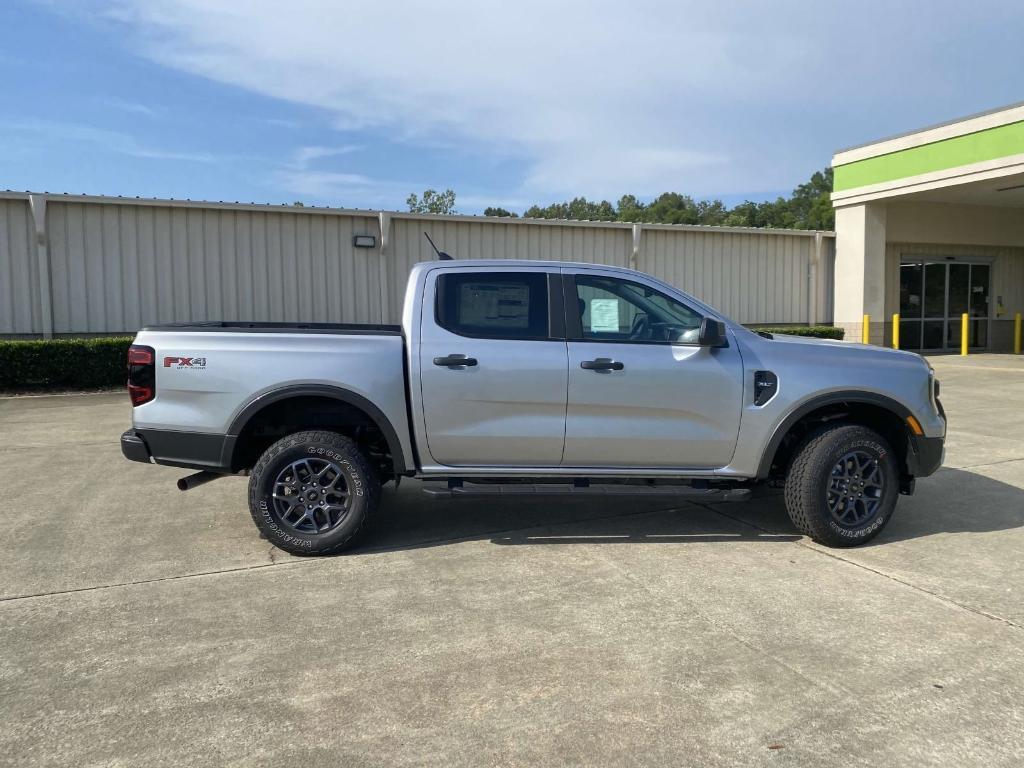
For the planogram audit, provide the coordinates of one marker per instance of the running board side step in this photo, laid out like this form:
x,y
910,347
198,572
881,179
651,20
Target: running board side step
x,y
457,489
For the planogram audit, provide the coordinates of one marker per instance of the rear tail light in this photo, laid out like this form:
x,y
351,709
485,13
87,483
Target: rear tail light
x,y
141,374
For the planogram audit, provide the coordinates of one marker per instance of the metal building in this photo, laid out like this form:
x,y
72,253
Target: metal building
x,y
73,264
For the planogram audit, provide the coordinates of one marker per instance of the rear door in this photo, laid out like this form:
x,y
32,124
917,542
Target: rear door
x,y
493,366
642,392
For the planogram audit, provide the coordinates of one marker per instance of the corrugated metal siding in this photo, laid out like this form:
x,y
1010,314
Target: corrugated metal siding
x,y
495,240
825,279
751,277
19,276
117,265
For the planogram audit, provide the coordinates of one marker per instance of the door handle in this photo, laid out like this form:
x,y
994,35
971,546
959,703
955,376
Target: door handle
x,y
454,361
602,364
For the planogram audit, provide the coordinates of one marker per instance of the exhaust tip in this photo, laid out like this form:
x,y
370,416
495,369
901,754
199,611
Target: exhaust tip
x,y
193,481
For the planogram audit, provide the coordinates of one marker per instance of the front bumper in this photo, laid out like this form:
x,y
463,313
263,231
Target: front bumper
x,y
925,455
134,447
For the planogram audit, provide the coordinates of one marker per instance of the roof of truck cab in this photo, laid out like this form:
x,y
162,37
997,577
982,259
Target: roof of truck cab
x,y
517,263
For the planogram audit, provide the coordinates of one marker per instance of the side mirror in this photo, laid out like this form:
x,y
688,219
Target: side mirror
x,y
712,333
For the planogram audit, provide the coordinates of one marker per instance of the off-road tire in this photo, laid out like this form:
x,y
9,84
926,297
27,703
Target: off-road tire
x,y
360,478
807,484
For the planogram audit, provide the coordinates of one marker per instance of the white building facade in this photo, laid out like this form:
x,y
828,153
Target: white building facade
x,y
930,226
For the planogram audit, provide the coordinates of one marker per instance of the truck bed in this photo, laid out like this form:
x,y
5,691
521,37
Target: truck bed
x,y
212,376
244,327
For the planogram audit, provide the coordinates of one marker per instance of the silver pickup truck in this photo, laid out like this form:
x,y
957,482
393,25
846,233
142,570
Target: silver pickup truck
x,y
533,377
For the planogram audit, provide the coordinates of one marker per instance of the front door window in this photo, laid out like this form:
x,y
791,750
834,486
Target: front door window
x,y
612,309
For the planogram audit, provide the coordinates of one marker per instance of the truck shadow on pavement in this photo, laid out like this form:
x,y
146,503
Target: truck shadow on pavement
x,y
953,501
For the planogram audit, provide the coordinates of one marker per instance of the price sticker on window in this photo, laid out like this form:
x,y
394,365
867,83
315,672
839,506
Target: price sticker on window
x,y
604,315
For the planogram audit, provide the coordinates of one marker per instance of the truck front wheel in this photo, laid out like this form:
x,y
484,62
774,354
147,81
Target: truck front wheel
x,y
842,485
311,492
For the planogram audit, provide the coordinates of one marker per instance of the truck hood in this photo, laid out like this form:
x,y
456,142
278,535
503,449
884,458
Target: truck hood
x,y
786,338
850,347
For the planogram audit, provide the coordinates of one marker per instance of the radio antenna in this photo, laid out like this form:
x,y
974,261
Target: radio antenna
x,y
440,254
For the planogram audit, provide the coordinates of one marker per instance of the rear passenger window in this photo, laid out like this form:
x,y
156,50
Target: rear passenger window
x,y
504,305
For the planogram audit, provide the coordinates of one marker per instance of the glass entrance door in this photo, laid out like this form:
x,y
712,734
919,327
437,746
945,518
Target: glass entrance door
x,y
934,295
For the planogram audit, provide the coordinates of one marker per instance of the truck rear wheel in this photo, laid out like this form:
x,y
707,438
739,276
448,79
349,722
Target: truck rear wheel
x,y
842,485
311,492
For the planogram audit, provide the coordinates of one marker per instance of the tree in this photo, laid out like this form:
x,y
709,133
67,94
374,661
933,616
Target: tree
x,y
432,202
631,209
577,209
809,207
500,212
811,202
712,212
672,208
553,211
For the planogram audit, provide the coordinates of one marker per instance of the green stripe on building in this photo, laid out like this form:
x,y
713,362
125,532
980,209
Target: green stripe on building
x,y
990,144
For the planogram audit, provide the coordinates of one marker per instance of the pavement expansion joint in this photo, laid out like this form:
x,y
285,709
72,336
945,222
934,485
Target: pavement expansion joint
x,y
178,577
306,562
986,464
806,544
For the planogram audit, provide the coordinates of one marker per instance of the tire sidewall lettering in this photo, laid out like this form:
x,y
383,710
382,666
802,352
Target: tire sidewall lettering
x,y
271,523
351,473
881,455
857,533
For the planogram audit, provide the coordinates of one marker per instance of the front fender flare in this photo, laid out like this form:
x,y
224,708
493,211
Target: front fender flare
x,y
820,401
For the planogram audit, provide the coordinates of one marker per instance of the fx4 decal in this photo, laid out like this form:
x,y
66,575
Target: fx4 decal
x,y
184,362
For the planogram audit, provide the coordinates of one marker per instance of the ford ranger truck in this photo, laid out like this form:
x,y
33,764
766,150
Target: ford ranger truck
x,y
533,377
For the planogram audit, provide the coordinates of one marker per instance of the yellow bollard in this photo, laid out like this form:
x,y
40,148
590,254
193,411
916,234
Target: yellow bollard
x,y
865,330
896,330
1016,334
963,334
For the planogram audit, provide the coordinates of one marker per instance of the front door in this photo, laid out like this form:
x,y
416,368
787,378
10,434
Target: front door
x,y
934,296
493,368
642,392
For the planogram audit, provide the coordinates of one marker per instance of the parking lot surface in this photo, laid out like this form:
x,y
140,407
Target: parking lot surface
x,y
144,626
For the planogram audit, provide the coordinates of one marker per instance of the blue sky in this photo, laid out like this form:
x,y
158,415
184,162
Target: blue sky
x,y
358,104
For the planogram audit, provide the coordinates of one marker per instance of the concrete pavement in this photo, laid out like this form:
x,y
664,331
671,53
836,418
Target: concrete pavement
x,y
143,626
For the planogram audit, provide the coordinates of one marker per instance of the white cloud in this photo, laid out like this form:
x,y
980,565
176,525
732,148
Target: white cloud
x,y
132,107
113,141
279,122
646,169
304,156
602,97
353,190
322,183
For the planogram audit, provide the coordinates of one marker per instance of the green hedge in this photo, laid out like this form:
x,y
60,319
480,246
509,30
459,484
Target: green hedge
x,y
815,331
64,364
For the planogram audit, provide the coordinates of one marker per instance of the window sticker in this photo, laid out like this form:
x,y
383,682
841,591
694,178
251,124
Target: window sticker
x,y
604,315
494,305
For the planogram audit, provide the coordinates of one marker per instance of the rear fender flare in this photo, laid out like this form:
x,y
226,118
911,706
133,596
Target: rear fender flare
x,y
317,390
